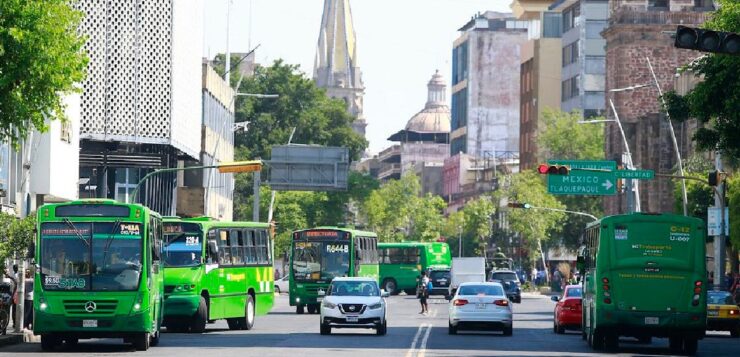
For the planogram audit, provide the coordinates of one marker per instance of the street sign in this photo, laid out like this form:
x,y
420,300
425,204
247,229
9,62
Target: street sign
x,y
584,182
309,168
713,221
635,174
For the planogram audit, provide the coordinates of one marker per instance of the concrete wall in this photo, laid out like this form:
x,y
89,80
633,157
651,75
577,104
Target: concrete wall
x,y
417,153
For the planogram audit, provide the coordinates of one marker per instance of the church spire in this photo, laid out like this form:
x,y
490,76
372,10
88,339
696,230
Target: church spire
x,y
336,65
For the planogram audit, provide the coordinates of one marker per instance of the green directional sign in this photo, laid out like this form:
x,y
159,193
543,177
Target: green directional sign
x,y
635,174
583,181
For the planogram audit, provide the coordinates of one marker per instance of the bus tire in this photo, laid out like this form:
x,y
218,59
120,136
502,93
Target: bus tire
x,y
198,323
690,345
645,339
247,323
49,342
299,310
141,341
311,308
597,339
233,324
675,344
71,342
390,286
611,341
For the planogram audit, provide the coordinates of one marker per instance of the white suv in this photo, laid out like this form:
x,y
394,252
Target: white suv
x,y
353,303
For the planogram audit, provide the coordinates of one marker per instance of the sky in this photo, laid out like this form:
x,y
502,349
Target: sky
x,y
400,44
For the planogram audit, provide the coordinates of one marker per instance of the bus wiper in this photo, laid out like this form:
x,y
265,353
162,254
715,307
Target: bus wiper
x,y
110,238
77,231
172,239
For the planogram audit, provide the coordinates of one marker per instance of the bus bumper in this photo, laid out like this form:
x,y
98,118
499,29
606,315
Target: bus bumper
x,y
644,323
181,305
107,326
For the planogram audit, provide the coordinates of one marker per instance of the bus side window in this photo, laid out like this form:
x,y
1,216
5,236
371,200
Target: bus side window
x,y
266,253
250,254
237,250
224,250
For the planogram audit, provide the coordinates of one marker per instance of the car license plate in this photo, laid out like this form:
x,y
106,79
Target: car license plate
x,y
352,319
651,321
712,313
89,323
480,306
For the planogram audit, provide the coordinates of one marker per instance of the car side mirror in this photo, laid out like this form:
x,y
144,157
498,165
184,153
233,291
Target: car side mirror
x,y
384,293
555,298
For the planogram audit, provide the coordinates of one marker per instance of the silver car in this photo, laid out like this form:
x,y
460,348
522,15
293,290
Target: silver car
x,y
480,306
353,303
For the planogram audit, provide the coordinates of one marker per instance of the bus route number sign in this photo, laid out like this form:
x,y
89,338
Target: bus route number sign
x,y
337,248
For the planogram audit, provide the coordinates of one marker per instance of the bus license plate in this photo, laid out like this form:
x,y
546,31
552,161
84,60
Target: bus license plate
x,y
352,318
89,323
651,321
480,306
712,313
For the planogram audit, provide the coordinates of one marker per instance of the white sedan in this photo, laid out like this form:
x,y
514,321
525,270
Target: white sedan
x,y
353,303
281,285
480,306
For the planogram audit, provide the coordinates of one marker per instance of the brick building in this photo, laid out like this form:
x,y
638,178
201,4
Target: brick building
x,y
635,32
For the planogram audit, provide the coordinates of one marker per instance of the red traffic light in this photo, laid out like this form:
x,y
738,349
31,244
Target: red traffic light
x,y
553,169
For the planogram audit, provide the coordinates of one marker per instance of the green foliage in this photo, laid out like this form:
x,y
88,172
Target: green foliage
x,y
41,58
714,101
396,212
562,137
16,235
698,194
733,202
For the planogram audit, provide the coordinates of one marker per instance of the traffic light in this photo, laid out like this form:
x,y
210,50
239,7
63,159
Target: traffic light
x,y
545,169
715,178
519,205
707,40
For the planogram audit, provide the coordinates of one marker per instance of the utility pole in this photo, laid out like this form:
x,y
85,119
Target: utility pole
x,y
227,59
719,240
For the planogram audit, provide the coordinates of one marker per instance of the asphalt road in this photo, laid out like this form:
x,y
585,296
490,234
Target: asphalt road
x,y
283,333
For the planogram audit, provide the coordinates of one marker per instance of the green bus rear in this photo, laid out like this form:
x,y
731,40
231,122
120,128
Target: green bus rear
x,y
100,273
318,255
645,276
401,263
216,270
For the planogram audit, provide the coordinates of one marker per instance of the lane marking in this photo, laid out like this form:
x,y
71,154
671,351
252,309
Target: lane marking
x,y
412,351
423,347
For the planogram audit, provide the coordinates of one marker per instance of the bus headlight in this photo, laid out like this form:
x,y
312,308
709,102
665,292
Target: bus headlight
x,y
138,303
42,304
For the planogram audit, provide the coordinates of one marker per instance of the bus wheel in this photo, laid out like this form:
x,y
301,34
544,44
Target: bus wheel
x,y
248,322
141,341
155,339
233,324
198,324
645,339
597,339
49,342
390,286
611,341
690,345
70,342
675,343
311,309
299,309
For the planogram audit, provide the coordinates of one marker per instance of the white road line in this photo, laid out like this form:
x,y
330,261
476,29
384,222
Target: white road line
x,y
423,347
412,351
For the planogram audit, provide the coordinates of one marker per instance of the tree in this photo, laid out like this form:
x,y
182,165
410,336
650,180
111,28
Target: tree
x,y
562,137
733,202
16,235
41,59
714,101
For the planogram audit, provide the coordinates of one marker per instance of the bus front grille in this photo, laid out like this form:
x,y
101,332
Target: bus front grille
x,y
90,307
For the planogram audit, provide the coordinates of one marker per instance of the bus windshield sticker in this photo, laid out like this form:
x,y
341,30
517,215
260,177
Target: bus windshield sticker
x,y
620,234
64,283
224,235
192,241
322,234
130,229
680,234
337,248
173,228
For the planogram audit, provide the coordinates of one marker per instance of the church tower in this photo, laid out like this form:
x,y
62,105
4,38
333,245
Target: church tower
x,y
336,67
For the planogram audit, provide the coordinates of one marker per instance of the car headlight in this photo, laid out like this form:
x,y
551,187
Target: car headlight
x,y
328,305
376,306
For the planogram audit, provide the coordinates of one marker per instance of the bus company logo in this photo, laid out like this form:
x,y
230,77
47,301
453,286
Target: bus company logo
x,y
90,306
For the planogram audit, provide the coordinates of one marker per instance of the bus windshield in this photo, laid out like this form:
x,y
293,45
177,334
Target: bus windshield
x,y
98,256
183,244
320,260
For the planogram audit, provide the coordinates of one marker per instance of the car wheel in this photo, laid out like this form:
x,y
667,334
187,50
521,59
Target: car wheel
x,y
382,329
452,330
325,329
736,332
554,327
560,330
508,330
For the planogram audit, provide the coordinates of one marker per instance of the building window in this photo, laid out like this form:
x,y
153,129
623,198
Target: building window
x,y
704,5
66,131
571,17
594,28
459,110
552,25
458,145
658,4
570,88
570,53
126,181
460,63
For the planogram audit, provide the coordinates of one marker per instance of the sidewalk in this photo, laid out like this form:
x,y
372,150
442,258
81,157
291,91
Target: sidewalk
x,y
11,339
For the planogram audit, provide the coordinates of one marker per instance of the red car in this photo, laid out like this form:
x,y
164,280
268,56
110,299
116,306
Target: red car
x,y
568,310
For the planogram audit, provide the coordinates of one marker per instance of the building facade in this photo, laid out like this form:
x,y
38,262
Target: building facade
x,y
635,33
485,85
141,100
336,65
583,55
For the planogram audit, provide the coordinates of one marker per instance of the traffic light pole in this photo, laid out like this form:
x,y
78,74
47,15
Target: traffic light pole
x,y
719,240
633,202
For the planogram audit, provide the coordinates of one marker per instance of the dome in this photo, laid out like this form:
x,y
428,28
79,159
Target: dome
x,y
435,117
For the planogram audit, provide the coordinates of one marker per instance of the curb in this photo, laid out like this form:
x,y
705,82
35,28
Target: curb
x,y
11,339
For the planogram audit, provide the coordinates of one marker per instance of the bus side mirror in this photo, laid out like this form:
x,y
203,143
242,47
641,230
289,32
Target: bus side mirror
x,y
31,253
212,250
580,262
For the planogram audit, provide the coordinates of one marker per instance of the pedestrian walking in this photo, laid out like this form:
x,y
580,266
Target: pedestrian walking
x,y
424,292
28,300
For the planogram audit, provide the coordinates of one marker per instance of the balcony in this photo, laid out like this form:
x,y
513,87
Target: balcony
x,y
389,153
631,12
389,171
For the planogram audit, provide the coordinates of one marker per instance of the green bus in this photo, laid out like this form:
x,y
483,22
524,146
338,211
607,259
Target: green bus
x,y
99,273
216,270
320,254
644,276
401,263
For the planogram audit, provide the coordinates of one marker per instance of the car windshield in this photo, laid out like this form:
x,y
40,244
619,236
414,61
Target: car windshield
x,y
100,256
183,244
481,290
573,292
439,274
322,260
354,288
504,276
720,298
